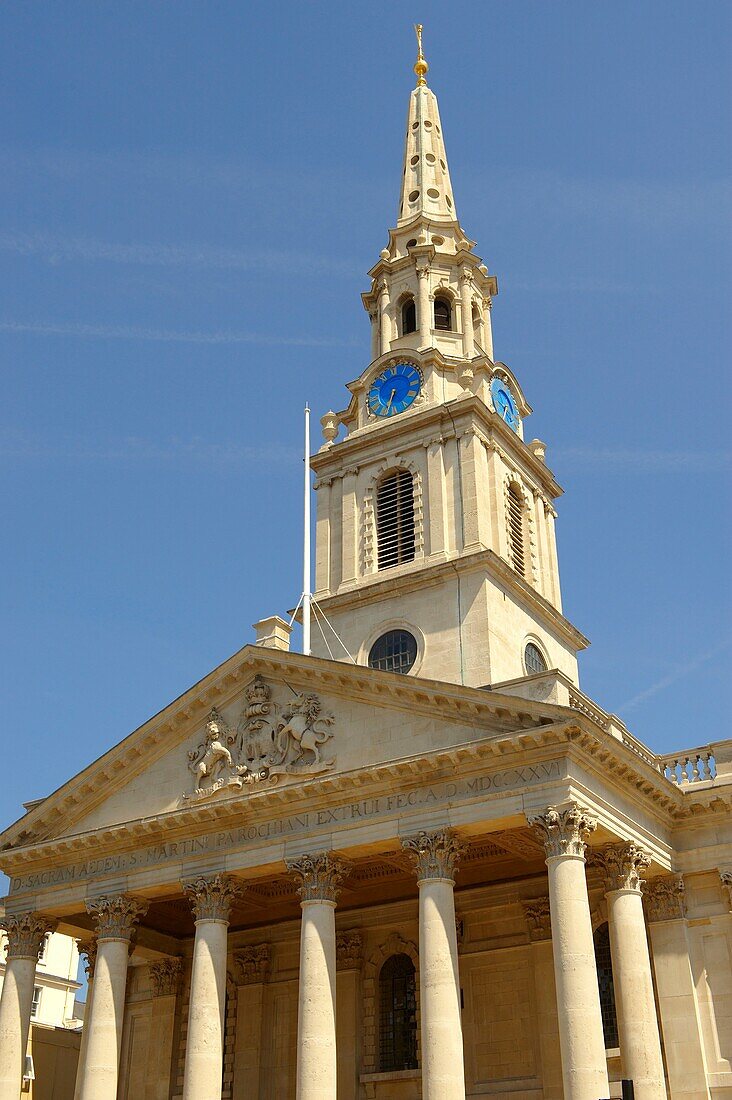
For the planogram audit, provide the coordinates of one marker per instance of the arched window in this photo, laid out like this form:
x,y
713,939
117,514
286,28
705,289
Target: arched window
x,y
409,317
395,519
533,659
397,1014
516,528
607,989
443,314
477,324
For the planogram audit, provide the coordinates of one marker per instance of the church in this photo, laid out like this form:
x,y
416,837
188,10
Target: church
x,y
416,861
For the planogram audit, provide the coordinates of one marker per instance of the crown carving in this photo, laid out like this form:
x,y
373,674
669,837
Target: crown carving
x,y
318,875
663,898
253,962
26,932
434,855
622,865
116,915
564,830
538,918
211,898
165,976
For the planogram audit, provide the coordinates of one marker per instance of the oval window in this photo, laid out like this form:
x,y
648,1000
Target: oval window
x,y
395,651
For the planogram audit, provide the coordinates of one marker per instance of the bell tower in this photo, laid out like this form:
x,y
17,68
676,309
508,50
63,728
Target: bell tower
x,y
435,546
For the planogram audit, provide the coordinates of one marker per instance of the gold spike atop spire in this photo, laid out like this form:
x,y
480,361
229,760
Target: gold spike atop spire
x,y
421,65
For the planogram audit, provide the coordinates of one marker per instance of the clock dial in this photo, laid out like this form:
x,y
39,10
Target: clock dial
x,y
394,389
504,403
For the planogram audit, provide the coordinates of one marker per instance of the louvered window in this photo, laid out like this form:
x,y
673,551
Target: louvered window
x,y
397,1014
516,529
534,659
443,314
395,519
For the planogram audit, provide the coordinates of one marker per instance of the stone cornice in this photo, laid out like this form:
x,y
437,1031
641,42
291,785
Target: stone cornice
x,y
621,766
328,462
377,588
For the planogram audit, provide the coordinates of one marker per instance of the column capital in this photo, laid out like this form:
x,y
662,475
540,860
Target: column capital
x,y
25,932
725,878
88,948
165,976
349,950
253,962
434,855
663,898
319,875
621,865
564,830
211,896
538,919
115,915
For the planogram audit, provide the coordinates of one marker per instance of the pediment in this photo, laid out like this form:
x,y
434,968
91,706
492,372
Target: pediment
x,y
267,718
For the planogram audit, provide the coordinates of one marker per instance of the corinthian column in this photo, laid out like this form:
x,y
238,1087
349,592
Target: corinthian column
x,y
211,900
425,306
164,980
25,932
318,877
640,1042
88,949
115,918
466,291
564,831
435,856
385,316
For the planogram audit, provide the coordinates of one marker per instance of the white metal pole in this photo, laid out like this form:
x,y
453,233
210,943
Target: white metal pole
x,y
306,543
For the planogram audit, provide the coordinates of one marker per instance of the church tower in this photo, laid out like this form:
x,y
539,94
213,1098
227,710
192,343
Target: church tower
x,y
435,545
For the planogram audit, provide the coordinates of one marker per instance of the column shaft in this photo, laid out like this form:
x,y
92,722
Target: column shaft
x,y
25,933
640,1043
425,310
384,308
584,1065
318,876
443,1074
15,1012
88,948
101,1064
115,917
316,1020
204,1063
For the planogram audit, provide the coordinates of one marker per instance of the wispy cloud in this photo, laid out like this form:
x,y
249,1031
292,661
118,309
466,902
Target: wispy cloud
x,y
168,336
57,249
18,446
678,672
650,461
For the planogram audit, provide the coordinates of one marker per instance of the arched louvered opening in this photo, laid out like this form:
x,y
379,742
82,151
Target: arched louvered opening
x,y
516,529
443,314
395,519
409,317
605,982
397,1014
534,659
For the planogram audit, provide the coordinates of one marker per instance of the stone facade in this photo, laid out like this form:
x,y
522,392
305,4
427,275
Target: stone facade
x,y
312,877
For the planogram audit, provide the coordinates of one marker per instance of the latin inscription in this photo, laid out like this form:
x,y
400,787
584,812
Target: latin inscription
x,y
280,828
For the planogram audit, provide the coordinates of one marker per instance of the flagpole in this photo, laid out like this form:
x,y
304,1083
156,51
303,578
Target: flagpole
x,y
306,595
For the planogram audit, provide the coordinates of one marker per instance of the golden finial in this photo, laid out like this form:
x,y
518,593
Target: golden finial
x,y
421,65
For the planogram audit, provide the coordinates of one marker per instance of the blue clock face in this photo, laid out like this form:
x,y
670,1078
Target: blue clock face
x,y
394,390
503,402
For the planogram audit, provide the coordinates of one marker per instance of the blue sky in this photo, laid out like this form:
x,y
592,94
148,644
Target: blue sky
x,y
190,197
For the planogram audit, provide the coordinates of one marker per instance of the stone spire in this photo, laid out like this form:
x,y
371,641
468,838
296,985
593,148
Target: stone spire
x,y
426,186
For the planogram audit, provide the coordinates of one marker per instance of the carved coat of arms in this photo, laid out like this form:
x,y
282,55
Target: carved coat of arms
x,y
270,739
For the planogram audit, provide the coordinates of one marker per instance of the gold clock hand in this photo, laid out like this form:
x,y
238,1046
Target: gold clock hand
x,y
390,401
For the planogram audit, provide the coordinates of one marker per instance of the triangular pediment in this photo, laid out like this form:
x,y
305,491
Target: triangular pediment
x,y
266,718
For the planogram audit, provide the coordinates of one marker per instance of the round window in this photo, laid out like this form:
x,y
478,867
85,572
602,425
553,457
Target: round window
x,y
534,659
395,651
